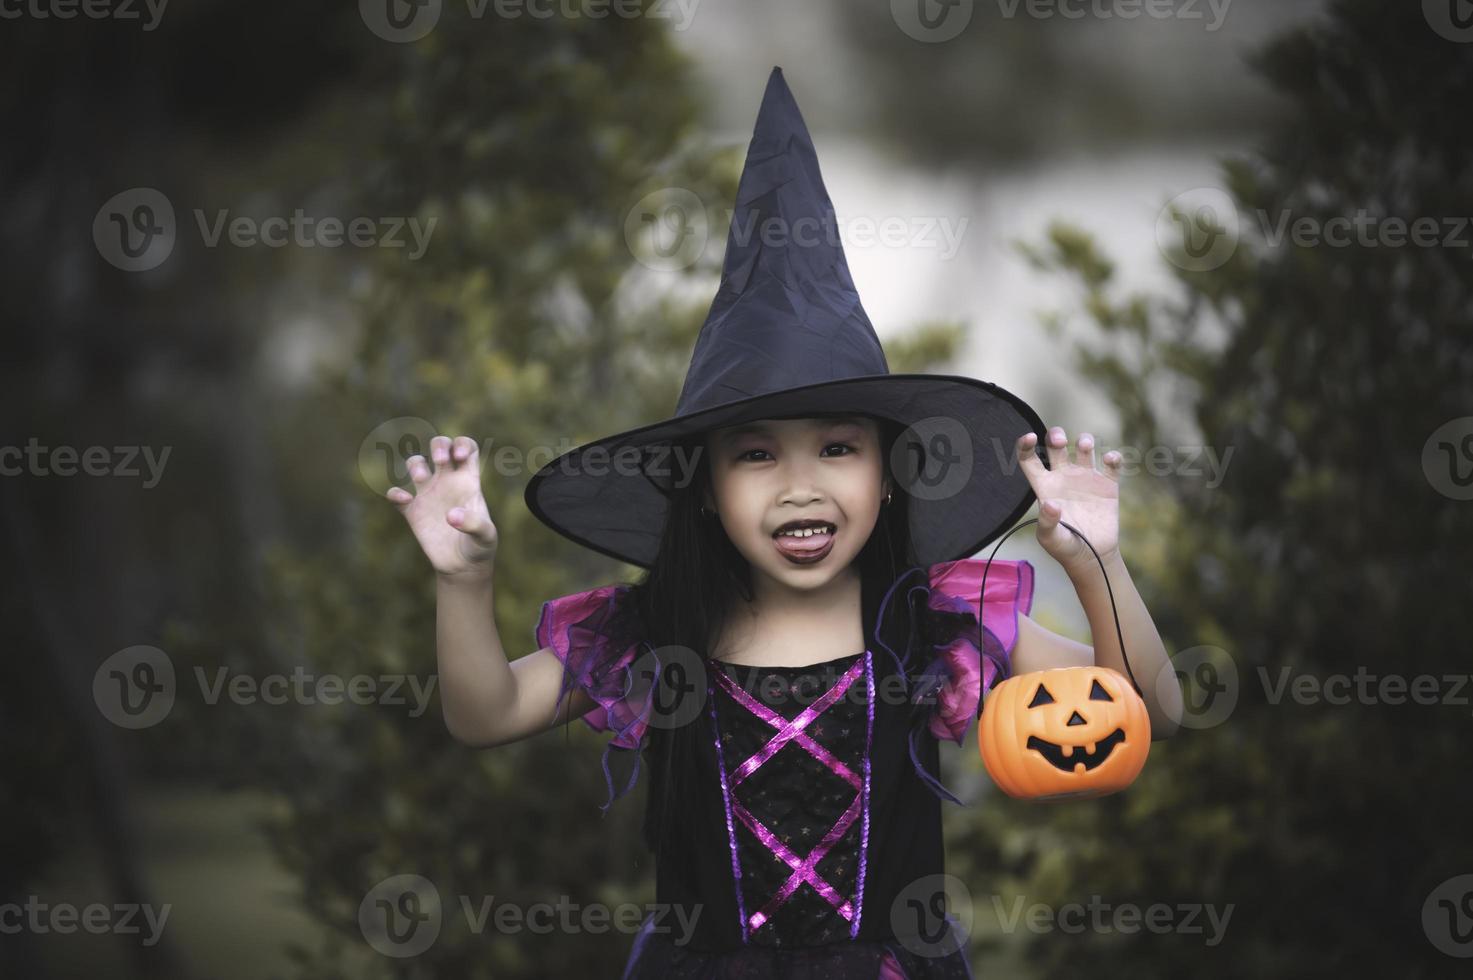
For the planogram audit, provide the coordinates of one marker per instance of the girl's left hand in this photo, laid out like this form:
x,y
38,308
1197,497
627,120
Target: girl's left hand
x,y
1075,492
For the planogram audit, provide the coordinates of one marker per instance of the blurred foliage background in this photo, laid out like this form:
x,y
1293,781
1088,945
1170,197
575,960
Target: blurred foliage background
x,y
266,549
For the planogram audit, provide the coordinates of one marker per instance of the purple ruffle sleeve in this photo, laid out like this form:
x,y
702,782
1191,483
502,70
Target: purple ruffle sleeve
x,y
968,667
950,673
595,635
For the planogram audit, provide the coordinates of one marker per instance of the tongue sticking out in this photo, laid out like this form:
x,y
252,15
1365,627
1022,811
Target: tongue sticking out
x,y
813,546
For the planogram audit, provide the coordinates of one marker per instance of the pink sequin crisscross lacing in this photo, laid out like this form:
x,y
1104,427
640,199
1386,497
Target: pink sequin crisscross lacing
x,y
803,866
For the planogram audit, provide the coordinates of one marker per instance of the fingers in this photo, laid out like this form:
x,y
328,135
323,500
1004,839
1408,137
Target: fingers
x,y
419,470
1058,453
1057,445
440,451
1028,456
471,520
1084,450
446,453
463,451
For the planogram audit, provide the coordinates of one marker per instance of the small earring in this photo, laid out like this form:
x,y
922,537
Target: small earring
x,y
889,495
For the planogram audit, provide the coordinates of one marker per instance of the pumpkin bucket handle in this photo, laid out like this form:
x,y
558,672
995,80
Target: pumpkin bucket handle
x,y
981,599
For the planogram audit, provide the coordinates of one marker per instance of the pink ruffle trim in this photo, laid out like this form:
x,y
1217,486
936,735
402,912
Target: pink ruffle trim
x,y
970,665
584,630
590,636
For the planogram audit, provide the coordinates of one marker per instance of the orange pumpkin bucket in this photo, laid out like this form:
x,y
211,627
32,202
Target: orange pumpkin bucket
x,y
1068,732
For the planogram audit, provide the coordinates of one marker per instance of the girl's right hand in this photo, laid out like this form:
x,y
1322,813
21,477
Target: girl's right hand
x,y
447,511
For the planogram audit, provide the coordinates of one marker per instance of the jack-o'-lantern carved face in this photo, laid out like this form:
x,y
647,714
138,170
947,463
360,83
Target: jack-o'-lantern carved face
x,y
1066,732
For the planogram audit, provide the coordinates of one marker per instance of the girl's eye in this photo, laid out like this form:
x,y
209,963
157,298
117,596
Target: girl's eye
x,y
841,445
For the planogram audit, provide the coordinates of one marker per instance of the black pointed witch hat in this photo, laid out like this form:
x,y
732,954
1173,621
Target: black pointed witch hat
x,y
786,337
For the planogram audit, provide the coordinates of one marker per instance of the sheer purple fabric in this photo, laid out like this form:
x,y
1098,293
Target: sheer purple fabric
x,y
956,586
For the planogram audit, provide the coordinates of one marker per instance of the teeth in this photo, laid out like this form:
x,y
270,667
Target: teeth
x,y
806,532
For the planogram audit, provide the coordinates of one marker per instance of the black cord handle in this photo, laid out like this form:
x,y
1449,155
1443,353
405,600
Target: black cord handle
x,y
982,600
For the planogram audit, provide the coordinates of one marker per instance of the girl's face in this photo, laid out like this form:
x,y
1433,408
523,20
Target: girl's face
x,y
768,473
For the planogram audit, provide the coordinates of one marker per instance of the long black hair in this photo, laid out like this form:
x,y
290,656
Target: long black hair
x,y
686,596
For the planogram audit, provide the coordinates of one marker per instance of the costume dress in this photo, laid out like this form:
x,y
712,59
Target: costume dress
x,y
818,852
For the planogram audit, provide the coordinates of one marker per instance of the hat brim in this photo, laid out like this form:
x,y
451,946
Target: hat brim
x,y
610,494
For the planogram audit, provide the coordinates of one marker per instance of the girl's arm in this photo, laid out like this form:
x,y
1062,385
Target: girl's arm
x,y
1040,649
1074,493
485,699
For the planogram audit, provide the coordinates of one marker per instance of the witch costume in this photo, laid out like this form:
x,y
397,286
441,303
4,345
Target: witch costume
x,y
818,849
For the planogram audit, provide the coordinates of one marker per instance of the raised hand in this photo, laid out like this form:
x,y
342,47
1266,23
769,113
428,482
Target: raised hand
x,y
1077,493
447,511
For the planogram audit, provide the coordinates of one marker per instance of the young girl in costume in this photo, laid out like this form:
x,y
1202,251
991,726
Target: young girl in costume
x,y
810,625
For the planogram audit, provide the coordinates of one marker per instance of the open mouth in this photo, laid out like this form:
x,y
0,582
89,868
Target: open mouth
x,y
1070,757
806,545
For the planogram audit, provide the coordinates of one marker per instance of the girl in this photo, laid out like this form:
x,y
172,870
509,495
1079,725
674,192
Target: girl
x,y
809,626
